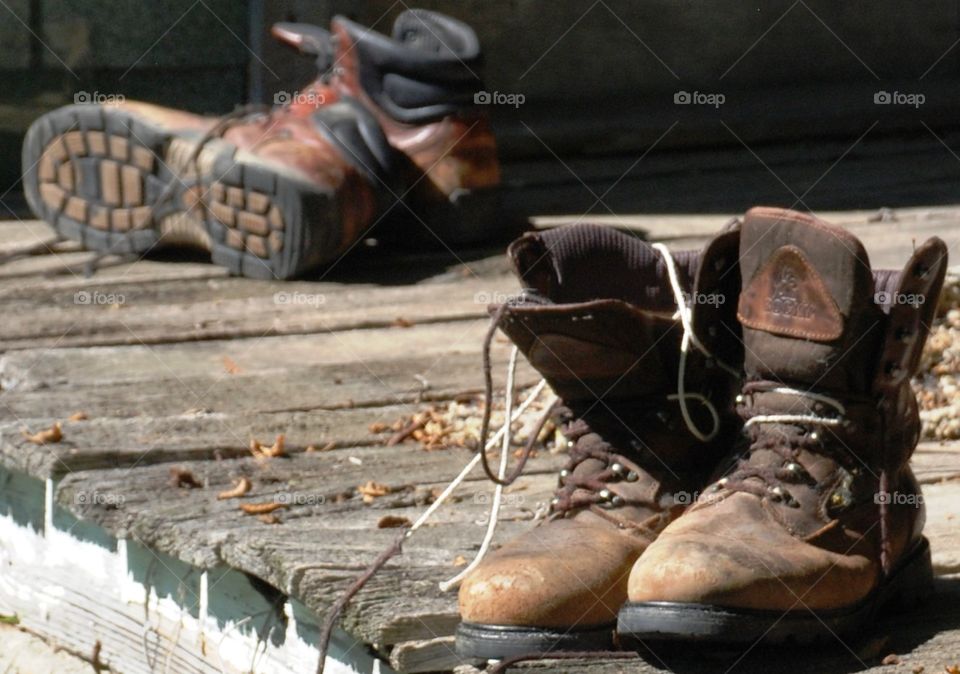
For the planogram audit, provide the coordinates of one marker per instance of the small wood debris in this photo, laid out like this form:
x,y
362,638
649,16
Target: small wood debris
x,y
269,519
378,427
401,322
410,430
326,448
371,490
274,451
9,619
459,560
78,416
918,669
937,384
45,437
892,659
952,669
456,423
230,366
240,488
181,478
393,522
261,508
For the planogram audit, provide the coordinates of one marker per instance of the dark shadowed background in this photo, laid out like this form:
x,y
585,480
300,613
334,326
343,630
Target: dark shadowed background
x,y
779,91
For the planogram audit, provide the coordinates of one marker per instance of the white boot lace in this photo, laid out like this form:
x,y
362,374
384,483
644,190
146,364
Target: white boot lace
x,y
690,338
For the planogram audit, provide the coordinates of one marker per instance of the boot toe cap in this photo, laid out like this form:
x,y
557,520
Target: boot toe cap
x,y
560,575
760,566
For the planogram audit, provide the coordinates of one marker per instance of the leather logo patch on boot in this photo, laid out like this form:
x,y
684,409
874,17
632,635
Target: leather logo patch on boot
x,y
788,297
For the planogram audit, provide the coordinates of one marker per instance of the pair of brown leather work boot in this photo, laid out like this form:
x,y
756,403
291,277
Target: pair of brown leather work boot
x,y
388,127
740,422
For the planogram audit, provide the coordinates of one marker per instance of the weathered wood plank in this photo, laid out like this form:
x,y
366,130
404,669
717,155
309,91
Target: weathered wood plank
x,y
181,310
400,604
328,533
122,443
372,382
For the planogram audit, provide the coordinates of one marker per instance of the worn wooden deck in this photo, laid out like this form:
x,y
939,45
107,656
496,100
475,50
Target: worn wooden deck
x,y
174,365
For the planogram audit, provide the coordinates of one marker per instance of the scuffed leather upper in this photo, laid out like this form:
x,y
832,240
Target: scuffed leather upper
x,y
797,515
609,347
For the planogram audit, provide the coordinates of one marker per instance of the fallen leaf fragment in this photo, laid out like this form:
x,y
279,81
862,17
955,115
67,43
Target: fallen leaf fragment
x,y
242,486
261,508
269,519
182,478
393,522
78,416
952,669
372,490
378,427
272,452
459,560
231,366
276,450
48,436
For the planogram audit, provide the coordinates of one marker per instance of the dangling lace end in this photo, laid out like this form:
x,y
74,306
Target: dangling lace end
x,y
396,547
494,515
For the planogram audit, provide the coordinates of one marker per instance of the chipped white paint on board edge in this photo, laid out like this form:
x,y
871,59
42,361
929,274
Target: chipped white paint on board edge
x,y
76,593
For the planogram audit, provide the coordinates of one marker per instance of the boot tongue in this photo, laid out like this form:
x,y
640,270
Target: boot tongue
x,y
807,303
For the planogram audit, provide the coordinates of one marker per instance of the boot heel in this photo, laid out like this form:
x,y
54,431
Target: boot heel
x,y
913,583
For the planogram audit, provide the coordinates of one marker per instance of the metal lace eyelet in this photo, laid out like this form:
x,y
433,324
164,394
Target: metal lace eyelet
x,y
777,493
606,494
838,500
632,476
721,483
564,473
616,468
793,468
616,501
739,399
814,436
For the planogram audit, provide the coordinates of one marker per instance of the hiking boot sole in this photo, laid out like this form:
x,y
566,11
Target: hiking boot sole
x,y
496,642
120,184
909,584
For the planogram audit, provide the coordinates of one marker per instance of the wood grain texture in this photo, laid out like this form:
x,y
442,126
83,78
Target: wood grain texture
x,y
192,364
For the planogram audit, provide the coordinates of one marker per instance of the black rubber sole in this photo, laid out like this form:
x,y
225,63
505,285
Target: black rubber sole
x,y
118,183
909,584
496,642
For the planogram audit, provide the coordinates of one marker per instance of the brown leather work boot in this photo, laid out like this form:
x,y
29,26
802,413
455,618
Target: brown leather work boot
x,y
816,522
598,319
272,194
